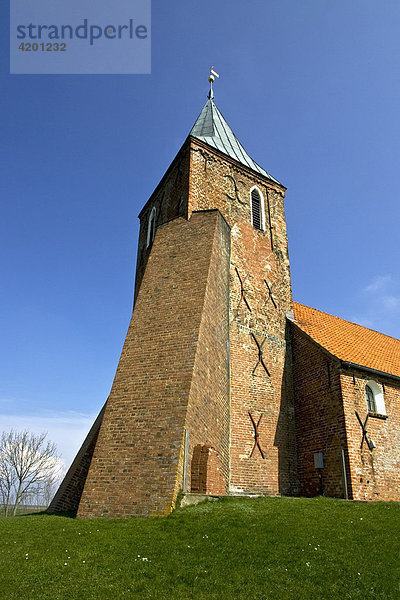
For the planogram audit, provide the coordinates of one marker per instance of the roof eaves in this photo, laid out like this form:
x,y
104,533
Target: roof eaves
x,y
350,365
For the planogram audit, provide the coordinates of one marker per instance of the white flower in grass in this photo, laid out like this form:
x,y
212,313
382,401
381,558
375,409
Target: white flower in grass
x,y
308,564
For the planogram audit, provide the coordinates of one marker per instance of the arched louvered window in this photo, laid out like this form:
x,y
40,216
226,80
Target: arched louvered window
x,y
257,210
151,227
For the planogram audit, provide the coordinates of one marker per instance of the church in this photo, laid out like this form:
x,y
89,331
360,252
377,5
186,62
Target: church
x,y
225,386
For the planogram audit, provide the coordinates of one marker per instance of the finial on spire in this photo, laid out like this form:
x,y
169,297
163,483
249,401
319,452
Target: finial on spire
x,y
211,79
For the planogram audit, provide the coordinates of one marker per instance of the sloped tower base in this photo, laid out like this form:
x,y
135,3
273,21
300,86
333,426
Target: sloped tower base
x,y
173,376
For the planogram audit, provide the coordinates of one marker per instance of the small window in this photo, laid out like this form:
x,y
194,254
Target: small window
x,y
370,399
257,209
374,398
151,228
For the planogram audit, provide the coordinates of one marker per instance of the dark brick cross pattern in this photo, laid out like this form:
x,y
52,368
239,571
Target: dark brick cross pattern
x,y
270,293
242,291
260,355
256,435
364,432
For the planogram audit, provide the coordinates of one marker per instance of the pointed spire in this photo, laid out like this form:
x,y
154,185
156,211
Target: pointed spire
x,y
212,129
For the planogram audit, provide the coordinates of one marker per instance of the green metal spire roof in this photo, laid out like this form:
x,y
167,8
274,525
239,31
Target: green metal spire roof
x,y
212,129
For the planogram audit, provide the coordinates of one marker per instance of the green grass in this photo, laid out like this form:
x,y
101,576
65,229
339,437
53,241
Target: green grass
x,y
235,548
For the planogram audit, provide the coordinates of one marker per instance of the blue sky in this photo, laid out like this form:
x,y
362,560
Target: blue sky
x,y
312,91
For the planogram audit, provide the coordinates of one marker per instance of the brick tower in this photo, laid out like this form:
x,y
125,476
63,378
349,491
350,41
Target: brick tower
x,y
201,399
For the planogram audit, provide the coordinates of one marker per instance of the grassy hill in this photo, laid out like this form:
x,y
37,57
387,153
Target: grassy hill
x,y
265,548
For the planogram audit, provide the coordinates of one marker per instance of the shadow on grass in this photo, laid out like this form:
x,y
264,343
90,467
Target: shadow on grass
x,y
45,513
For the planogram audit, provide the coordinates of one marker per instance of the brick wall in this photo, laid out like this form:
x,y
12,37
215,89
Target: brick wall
x,y
137,463
208,415
320,419
327,397
170,199
375,475
70,491
256,256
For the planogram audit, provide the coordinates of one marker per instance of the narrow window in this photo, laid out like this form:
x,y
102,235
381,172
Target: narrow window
x,y
374,398
370,399
256,209
151,228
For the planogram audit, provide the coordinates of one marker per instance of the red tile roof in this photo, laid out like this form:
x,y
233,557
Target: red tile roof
x,y
348,341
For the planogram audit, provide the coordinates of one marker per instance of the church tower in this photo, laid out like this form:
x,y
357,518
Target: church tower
x,y
202,400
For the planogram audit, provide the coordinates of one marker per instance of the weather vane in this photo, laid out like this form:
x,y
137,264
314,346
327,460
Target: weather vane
x,y
211,79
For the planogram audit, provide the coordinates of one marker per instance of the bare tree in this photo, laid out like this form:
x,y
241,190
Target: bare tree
x,y
7,480
29,467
